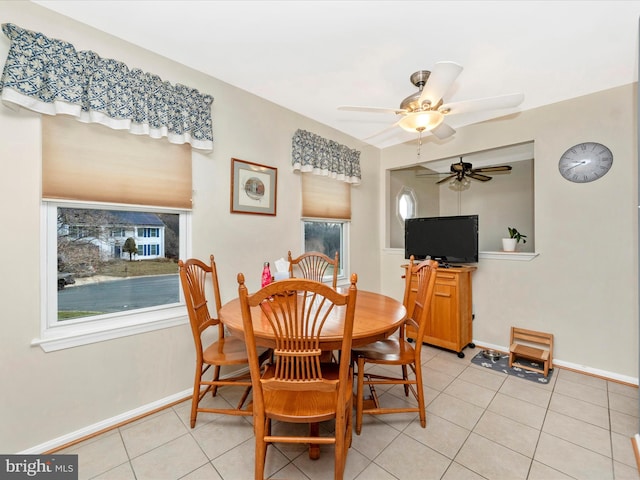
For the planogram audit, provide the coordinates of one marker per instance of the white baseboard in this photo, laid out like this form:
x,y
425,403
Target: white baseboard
x,y
574,366
105,424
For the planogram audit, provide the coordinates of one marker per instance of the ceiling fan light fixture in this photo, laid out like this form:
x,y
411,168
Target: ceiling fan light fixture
x,y
421,121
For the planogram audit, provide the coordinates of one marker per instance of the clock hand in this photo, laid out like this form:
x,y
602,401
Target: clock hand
x,y
577,164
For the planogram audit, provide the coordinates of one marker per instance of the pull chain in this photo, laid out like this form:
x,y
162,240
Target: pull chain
x,y
420,130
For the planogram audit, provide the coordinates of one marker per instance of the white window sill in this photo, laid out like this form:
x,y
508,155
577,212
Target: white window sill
x,y
61,336
518,256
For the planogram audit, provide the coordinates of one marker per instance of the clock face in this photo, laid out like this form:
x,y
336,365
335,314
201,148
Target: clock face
x,y
585,162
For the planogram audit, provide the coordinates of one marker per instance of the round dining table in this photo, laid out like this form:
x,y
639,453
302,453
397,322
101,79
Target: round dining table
x,y
376,317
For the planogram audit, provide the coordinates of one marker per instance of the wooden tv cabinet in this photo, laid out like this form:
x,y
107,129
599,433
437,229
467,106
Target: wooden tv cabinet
x,y
449,324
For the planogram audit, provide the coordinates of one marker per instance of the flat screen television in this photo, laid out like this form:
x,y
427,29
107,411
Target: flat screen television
x,y
446,239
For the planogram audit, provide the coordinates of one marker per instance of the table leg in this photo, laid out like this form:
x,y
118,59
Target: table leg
x,y
314,448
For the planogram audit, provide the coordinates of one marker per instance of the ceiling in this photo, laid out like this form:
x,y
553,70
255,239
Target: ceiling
x,y
312,56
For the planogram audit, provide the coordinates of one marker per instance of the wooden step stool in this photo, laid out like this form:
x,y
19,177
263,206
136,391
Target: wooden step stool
x,y
526,344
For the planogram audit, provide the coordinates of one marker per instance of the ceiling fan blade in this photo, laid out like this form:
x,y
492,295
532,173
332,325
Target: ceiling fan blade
x,y
353,108
488,103
388,129
445,179
443,131
440,80
477,176
501,168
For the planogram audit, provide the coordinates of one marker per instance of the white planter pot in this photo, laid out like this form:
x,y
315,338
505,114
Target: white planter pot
x,y
509,244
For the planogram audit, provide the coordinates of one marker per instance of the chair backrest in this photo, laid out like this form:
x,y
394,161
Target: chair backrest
x,y
314,266
297,311
418,313
194,276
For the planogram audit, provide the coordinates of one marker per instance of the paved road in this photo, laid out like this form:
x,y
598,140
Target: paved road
x,y
117,295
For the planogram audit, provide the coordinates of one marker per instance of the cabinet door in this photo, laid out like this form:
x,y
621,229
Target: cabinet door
x,y
444,322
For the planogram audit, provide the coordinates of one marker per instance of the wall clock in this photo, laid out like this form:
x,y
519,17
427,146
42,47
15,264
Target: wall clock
x,y
585,162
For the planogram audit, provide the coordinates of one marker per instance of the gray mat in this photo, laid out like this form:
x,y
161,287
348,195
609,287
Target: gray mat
x,y
502,365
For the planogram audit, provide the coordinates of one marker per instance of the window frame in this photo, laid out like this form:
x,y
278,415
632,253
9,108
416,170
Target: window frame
x,y
343,274
56,335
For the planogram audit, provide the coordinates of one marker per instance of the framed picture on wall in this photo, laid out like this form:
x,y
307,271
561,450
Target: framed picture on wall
x,y
253,188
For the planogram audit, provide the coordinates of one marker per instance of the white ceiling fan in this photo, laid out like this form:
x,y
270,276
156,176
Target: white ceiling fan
x,y
425,110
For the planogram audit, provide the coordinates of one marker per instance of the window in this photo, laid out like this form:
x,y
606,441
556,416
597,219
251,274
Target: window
x,y
406,204
327,236
117,236
104,276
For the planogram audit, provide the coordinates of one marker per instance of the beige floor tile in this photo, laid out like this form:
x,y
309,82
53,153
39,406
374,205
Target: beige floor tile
x,y
518,410
441,435
205,472
290,472
449,364
625,472
490,460
469,392
217,437
92,460
588,393
406,456
508,433
455,410
174,459
585,411
436,379
375,436
238,463
623,403
576,431
538,471
375,471
458,472
623,389
121,472
623,449
623,423
576,377
483,377
572,460
528,391
152,432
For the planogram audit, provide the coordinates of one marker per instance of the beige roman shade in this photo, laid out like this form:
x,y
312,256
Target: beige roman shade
x,y
90,162
325,197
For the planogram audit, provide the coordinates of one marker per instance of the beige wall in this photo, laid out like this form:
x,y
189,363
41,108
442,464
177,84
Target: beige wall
x,y
583,285
48,397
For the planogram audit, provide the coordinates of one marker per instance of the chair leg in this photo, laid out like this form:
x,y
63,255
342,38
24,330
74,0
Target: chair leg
x,y
216,377
360,395
405,377
195,399
420,392
260,428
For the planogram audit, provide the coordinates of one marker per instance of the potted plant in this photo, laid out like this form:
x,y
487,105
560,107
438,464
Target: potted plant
x,y
515,237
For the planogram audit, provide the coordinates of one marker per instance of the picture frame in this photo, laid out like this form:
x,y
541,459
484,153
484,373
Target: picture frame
x,y
253,188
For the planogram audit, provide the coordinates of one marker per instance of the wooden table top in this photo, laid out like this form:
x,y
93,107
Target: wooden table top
x,y
376,317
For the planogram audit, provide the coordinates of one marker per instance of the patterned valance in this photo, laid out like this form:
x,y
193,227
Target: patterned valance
x,y
49,76
312,153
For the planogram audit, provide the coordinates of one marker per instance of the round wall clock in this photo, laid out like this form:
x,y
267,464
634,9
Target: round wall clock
x,y
585,162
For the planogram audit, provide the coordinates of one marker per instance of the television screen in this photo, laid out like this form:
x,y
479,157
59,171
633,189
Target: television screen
x,y
446,239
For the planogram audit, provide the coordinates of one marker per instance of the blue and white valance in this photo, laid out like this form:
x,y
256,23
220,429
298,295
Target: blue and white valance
x,y
49,76
312,153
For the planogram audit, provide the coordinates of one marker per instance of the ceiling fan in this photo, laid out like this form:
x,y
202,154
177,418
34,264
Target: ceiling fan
x,y
460,170
425,110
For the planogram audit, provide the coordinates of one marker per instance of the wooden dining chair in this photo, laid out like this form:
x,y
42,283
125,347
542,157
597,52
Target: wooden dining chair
x,y
226,351
397,351
314,266
297,387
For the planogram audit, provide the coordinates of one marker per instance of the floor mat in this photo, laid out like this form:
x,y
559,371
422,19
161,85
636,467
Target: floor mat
x,y
501,364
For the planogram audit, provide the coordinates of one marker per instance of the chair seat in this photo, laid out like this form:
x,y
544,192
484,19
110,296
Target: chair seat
x,y
391,350
298,406
229,351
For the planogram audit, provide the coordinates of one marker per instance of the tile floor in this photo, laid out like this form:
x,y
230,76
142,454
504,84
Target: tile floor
x,y
480,425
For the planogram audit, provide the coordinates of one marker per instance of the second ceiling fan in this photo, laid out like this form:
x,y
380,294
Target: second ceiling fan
x,y
460,170
425,110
